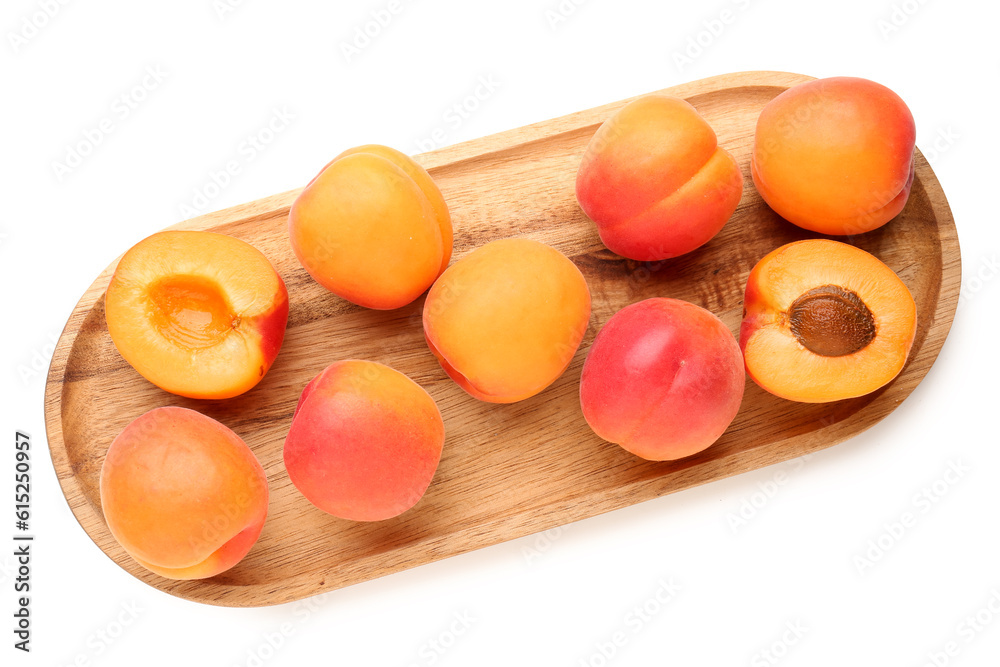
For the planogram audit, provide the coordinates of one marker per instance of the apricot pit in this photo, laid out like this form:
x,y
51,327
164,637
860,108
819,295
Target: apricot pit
x,y
831,321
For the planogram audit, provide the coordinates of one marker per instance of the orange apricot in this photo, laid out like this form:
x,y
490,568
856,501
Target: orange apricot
x,y
372,227
835,156
655,181
183,494
505,320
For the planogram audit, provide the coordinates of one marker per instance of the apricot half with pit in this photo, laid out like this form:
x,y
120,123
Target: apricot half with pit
x,y
198,314
824,321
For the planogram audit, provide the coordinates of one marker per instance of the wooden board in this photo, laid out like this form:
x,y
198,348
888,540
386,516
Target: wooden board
x,y
507,470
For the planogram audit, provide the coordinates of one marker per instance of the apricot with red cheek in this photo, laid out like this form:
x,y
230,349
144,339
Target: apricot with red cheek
x,y
365,441
663,379
655,181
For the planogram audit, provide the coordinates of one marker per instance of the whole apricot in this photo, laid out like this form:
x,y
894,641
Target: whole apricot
x,y
183,494
505,320
656,182
372,227
365,441
663,379
835,156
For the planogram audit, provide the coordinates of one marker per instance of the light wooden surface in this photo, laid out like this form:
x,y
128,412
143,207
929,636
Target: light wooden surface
x,y
507,470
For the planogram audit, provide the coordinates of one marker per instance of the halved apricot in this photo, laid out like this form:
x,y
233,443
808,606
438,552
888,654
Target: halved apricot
x,y
825,321
198,314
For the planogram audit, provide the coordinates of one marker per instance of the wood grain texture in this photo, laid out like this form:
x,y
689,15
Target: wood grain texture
x,y
507,470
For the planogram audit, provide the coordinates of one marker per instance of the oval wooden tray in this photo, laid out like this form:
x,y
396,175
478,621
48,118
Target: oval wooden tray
x,y
507,470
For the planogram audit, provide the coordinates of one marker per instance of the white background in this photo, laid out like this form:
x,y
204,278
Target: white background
x,y
538,600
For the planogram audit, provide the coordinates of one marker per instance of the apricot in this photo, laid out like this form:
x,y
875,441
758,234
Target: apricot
x,y
825,321
663,379
372,228
365,441
655,180
198,314
835,156
505,320
183,494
